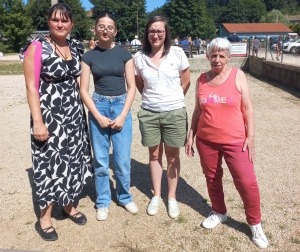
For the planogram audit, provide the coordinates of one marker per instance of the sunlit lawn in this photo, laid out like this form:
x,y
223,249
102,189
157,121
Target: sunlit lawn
x,y
11,67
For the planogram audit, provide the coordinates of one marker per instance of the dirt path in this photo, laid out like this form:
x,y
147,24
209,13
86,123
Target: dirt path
x,y
277,121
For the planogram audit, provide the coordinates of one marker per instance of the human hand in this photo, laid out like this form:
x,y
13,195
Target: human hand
x,y
189,150
40,132
249,144
104,122
118,123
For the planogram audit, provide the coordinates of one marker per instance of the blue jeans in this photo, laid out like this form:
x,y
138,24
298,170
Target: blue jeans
x,y
121,142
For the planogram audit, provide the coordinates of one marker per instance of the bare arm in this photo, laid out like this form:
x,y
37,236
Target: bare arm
x,y
103,121
131,90
185,80
194,124
247,110
40,130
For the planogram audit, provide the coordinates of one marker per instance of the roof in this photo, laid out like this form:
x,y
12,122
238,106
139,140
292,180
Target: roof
x,y
256,27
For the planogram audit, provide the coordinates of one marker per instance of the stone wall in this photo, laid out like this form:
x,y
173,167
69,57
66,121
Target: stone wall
x,y
286,75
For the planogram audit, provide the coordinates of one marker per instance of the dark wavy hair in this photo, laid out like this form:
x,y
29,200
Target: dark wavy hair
x,y
167,43
106,14
64,10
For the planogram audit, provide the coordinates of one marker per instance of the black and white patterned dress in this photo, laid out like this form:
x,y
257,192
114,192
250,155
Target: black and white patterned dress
x,y
62,164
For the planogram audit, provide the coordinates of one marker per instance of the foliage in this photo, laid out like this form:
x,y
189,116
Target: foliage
x,y
11,67
243,11
275,16
125,12
14,25
38,11
189,18
295,28
81,28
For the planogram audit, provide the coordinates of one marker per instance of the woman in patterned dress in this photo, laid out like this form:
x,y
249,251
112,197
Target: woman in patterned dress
x,y
60,145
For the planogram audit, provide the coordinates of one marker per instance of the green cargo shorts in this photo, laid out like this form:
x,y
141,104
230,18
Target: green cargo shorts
x,y
169,127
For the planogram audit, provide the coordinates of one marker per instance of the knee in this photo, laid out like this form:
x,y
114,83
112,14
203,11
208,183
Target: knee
x,y
101,172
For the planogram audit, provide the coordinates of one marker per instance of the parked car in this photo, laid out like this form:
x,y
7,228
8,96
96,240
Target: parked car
x,y
291,46
297,50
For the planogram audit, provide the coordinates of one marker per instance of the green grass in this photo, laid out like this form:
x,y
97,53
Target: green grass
x,y
181,219
11,67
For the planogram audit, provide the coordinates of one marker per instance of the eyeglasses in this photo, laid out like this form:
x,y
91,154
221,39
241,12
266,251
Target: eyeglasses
x,y
102,28
158,32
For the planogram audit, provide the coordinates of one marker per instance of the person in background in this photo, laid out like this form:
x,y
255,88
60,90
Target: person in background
x,y
279,47
234,38
92,43
163,78
223,123
255,46
197,42
184,44
135,42
60,145
176,41
110,118
127,43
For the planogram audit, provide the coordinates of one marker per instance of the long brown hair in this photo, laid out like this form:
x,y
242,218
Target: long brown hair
x,y
167,43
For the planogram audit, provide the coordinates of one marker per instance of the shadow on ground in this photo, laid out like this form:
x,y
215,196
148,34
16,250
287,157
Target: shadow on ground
x,y
141,179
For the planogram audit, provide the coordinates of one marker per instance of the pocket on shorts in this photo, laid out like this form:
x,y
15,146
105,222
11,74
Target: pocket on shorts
x,y
180,113
142,113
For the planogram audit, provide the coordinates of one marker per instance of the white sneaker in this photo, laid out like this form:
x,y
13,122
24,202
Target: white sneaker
x,y
131,208
153,206
214,219
258,236
102,213
173,209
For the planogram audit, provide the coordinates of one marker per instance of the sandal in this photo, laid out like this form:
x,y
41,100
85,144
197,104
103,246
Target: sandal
x,y
47,236
78,220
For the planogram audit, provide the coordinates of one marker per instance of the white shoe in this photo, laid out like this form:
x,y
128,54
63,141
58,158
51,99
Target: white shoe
x,y
214,219
132,208
102,213
258,236
153,206
173,209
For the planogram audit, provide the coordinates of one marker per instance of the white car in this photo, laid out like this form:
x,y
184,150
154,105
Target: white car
x,y
291,46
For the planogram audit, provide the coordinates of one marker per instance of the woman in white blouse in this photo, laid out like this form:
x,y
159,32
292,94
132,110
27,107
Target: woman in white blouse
x,y
163,78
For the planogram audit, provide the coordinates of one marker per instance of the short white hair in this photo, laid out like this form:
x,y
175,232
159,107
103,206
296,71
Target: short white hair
x,y
219,44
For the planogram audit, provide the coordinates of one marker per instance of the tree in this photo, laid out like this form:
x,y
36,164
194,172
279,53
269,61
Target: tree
x,y
275,16
295,28
125,12
38,11
189,17
15,27
81,29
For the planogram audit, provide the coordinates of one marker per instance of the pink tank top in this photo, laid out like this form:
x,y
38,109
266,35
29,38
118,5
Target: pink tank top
x,y
221,120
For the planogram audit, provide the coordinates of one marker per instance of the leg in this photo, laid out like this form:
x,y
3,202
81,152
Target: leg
x,y
211,162
242,171
45,217
156,169
121,141
100,140
173,169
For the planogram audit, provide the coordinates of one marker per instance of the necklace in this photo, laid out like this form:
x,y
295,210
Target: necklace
x,y
65,56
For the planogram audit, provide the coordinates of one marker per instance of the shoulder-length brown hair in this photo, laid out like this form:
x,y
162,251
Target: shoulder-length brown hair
x,y
167,43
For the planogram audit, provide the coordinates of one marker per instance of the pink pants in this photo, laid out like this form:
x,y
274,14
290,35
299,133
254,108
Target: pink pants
x,y
242,172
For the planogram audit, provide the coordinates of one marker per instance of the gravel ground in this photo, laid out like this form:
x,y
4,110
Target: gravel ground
x,y
277,130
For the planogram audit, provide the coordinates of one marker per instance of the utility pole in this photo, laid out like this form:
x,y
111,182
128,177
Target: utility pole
x,y
137,17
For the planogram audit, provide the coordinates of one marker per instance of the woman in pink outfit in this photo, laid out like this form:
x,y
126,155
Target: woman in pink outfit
x,y
223,125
